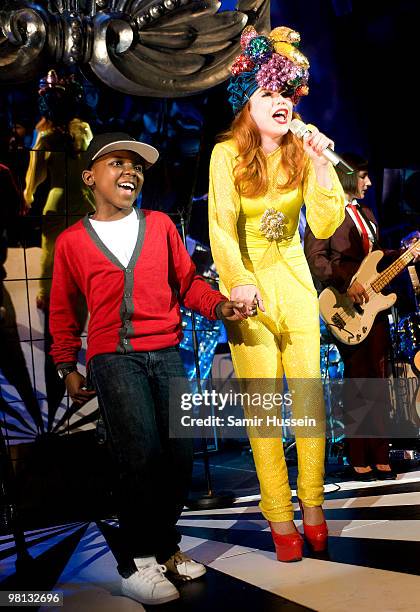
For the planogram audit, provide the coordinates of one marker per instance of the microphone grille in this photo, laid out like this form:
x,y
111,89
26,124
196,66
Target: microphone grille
x,y
298,128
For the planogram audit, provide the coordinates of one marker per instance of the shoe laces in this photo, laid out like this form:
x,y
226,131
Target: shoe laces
x,y
180,557
153,572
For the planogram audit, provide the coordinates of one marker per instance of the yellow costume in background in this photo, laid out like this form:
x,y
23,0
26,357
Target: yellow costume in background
x,y
285,339
57,155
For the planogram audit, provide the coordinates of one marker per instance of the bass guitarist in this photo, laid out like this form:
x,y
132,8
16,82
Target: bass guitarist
x,y
334,262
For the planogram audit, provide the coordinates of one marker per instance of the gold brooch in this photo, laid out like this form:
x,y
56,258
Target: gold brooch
x,y
273,224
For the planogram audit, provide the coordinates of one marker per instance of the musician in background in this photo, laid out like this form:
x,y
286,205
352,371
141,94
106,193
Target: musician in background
x,y
334,262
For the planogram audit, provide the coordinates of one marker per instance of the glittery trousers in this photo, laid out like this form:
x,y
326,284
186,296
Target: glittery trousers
x,y
285,341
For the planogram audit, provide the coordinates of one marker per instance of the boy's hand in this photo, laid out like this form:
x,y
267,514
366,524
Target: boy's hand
x,y
234,311
75,385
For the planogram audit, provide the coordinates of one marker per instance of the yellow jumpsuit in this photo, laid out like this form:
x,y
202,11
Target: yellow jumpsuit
x,y
286,339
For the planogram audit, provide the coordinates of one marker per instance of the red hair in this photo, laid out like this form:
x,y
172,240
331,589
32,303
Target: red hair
x,y
250,173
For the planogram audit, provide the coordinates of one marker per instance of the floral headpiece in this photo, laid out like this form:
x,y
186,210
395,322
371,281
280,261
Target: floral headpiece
x,y
271,62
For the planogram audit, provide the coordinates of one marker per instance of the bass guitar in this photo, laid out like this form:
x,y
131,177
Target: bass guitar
x,y
351,323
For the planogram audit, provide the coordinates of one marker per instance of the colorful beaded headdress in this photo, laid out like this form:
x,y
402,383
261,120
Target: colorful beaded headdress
x,y
271,62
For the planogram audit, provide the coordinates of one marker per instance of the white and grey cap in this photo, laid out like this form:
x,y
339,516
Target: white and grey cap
x,y
118,141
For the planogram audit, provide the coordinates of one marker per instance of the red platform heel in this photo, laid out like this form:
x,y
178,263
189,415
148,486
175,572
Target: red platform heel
x,y
289,547
316,535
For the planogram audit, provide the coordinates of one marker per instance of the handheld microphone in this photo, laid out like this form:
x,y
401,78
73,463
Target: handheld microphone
x,y
299,129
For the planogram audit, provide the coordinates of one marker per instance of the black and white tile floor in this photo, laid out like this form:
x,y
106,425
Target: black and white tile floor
x,y
373,561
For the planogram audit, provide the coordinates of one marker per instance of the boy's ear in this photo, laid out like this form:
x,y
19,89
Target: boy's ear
x,y
87,176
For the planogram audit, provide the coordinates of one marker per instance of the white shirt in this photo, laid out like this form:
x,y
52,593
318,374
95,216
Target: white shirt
x,y
353,216
119,236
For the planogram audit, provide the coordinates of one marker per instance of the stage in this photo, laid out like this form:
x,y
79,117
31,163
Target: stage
x,y
372,562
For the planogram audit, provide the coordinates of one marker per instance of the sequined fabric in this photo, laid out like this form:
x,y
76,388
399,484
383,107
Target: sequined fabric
x,y
284,340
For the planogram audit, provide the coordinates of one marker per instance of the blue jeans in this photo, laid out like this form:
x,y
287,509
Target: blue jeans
x,y
154,470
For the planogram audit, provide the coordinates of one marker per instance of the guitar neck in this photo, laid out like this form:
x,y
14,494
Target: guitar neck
x,y
395,268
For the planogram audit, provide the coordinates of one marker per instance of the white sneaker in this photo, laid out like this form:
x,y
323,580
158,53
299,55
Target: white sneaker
x,y
184,567
149,585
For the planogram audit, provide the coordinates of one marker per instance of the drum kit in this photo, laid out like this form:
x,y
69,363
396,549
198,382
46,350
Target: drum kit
x,y
332,366
406,337
207,333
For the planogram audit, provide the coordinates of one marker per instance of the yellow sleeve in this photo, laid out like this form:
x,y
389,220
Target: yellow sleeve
x,y
224,207
37,169
324,208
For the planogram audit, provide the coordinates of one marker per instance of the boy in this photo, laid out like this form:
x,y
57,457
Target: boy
x,y
133,270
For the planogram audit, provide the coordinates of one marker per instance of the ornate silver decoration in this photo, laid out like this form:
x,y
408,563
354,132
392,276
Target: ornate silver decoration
x,y
164,48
